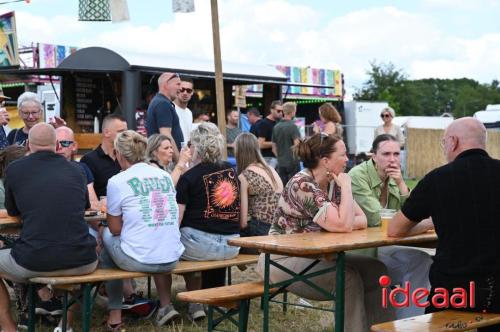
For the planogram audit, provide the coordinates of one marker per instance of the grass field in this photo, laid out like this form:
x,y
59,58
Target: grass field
x,y
295,319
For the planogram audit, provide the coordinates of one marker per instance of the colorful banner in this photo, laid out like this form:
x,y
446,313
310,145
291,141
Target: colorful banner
x,y
51,56
308,75
9,55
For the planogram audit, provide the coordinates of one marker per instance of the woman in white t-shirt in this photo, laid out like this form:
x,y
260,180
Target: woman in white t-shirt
x,y
143,230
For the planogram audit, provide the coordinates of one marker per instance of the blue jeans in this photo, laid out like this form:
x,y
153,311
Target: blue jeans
x,y
203,246
112,256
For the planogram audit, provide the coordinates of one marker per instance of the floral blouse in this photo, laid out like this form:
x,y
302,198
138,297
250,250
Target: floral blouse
x,y
299,203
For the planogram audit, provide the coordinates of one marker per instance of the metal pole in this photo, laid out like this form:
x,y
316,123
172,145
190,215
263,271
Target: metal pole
x,y
340,292
219,85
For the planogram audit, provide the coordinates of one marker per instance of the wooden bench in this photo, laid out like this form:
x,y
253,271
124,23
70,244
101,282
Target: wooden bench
x,y
86,282
448,320
234,297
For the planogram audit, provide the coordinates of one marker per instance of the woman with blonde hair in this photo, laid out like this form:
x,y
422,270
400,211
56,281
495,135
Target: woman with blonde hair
x,y
160,152
143,231
387,114
260,187
331,119
208,195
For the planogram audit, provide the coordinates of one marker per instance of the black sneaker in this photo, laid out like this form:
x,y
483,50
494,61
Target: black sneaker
x,y
51,307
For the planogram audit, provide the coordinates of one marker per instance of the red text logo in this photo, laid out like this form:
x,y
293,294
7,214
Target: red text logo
x,y
459,298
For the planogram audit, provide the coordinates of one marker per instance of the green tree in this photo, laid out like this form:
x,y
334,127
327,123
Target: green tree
x,y
462,97
383,82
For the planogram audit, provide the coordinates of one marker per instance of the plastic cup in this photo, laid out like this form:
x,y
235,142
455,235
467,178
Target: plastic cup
x,y
385,217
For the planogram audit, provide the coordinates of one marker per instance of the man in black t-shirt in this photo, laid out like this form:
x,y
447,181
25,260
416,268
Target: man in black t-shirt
x,y
162,117
265,132
462,199
54,239
102,161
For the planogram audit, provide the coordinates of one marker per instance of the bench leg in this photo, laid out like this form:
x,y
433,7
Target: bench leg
x,y
31,307
210,319
65,311
243,315
87,307
285,301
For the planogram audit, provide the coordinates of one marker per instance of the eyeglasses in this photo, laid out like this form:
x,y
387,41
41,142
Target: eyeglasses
x,y
26,115
188,90
66,144
173,76
385,115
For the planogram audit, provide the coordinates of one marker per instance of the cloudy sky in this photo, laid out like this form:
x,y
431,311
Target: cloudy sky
x,y
425,38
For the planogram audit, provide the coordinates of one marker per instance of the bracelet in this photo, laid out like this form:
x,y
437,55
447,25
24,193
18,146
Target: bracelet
x,y
103,223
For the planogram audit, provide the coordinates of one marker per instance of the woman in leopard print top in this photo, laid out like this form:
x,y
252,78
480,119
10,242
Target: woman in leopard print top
x,y
260,187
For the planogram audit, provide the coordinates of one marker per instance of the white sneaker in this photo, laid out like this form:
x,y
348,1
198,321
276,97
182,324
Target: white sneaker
x,y
59,329
166,314
196,312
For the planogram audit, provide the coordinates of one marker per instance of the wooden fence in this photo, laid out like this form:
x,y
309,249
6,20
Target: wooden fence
x,y
424,152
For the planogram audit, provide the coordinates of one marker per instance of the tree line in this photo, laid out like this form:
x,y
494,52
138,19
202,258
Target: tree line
x,y
460,97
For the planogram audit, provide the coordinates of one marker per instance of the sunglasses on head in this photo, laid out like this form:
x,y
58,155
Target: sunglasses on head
x,y
385,115
173,76
66,144
188,90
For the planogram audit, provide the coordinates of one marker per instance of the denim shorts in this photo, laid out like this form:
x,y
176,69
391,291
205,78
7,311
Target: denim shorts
x,y
203,246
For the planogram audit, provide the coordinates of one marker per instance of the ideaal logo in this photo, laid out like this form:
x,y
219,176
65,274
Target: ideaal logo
x,y
441,298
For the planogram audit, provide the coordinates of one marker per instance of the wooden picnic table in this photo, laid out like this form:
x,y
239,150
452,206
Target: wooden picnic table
x,y
10,221
322,245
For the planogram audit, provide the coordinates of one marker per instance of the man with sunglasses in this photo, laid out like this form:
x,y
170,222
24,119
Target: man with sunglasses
x,y
162,117
181,107
67,147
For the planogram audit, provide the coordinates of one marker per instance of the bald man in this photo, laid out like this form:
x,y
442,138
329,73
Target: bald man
x,y
463,200
68,147
49,196
162,117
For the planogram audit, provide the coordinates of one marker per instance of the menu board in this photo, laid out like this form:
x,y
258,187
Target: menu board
x,y
88,99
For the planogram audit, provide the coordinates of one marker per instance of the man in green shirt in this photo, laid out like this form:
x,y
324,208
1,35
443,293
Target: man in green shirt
x,y
378,184
285,135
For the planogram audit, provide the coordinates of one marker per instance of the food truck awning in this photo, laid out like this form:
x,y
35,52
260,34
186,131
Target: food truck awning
x,y
99,59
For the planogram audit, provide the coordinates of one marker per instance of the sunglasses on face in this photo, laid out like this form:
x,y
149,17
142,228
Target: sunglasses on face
x,y
188,90
385,115
66,144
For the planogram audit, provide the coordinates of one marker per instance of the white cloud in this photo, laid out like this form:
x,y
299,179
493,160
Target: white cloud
x,y
280,32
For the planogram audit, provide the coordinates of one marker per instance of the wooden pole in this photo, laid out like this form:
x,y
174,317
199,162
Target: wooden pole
x,y
219,85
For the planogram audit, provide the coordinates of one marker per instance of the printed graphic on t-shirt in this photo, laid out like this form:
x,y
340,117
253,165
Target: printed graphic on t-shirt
x,y
157,200
222,192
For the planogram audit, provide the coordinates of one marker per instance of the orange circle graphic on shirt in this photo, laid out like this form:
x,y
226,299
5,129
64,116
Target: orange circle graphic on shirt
x,y
224,194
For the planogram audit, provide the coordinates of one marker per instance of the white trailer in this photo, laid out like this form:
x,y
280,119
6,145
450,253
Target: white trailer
x,y
361,119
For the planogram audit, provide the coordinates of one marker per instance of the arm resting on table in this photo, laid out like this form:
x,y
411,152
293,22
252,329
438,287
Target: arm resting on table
x,y
402,226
